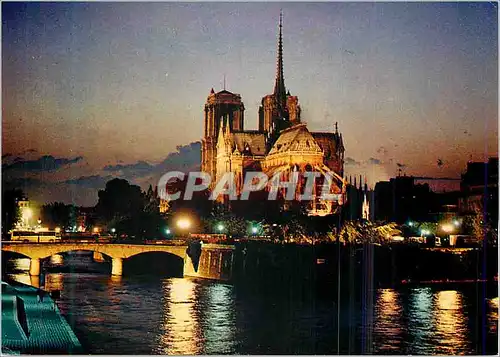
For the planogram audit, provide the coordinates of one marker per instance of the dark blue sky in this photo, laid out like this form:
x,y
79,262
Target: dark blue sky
x,y
122,83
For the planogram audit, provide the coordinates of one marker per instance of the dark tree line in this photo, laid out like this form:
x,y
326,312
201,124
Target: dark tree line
x,y
134,213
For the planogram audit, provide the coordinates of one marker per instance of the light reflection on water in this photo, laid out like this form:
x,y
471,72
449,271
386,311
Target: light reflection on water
x,y
179,329
493,315
450,324
148,315
388,310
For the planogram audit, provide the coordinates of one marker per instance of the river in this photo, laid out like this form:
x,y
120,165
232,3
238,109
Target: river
x,y
157,315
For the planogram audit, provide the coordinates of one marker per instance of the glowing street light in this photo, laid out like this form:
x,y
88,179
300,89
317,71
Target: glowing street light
x,y
96,230
424,232
255,230
448,228
58,230
184,223
167,231
456,222
220,227
410,224
113,230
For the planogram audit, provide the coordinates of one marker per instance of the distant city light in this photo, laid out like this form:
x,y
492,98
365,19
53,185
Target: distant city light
x,y
113,230
167,231
254,230
456,222
96,230
424,232
410,224
220,227
58,230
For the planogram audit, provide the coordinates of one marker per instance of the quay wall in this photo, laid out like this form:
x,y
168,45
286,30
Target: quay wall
x,y
274,264
209,261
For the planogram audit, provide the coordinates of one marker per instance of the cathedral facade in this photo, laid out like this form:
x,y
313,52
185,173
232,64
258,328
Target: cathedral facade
x,y
281,145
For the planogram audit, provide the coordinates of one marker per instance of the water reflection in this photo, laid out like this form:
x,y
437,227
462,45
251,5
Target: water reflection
x,y
493,315
388,310
24,278
219,319
179,330
54,282
56,259
123,315
20,264
420,318
450,324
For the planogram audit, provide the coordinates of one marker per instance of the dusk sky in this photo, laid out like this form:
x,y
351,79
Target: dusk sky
x,y
92,91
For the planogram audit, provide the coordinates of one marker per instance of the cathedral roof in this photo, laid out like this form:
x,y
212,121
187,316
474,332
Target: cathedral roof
x,y
250,143
329,142
295,138
225,92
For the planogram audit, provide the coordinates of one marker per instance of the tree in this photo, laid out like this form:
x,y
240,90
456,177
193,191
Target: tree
x,y
477,225
58,214
367,232
233,224
129,210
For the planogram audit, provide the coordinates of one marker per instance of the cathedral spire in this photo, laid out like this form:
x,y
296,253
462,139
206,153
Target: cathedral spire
x,y
279,85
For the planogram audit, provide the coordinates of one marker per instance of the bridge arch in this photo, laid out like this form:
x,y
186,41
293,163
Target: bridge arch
x,y
154,262
117,252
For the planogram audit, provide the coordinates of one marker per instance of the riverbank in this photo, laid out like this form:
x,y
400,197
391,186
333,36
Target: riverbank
x,y
30,326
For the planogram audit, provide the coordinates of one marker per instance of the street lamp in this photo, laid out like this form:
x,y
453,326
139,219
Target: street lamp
x,y
167,231
255,230
448,228
220,227
183,223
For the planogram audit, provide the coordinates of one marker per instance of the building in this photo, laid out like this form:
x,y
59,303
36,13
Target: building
x,y
479,188
359,202
401,200
282,144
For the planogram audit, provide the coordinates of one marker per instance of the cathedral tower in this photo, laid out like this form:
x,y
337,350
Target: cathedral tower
x,y
280,109
229,108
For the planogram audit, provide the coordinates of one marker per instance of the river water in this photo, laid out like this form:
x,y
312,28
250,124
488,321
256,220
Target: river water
x,y
157,315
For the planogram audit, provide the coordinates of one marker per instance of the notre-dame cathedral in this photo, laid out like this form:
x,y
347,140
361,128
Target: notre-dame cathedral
x,y
281,145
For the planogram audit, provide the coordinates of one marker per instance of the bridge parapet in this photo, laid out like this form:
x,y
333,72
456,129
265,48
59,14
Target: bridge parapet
x,y
113,250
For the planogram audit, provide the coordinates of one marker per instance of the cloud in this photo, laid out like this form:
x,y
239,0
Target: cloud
x,y
351,162
93,181
83,190
43,163
186,158
374,161
140,168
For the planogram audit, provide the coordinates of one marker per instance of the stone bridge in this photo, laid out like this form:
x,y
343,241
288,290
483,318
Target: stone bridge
x,y
117,251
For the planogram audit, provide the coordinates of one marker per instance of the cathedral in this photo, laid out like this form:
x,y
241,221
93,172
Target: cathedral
x,y
282,143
